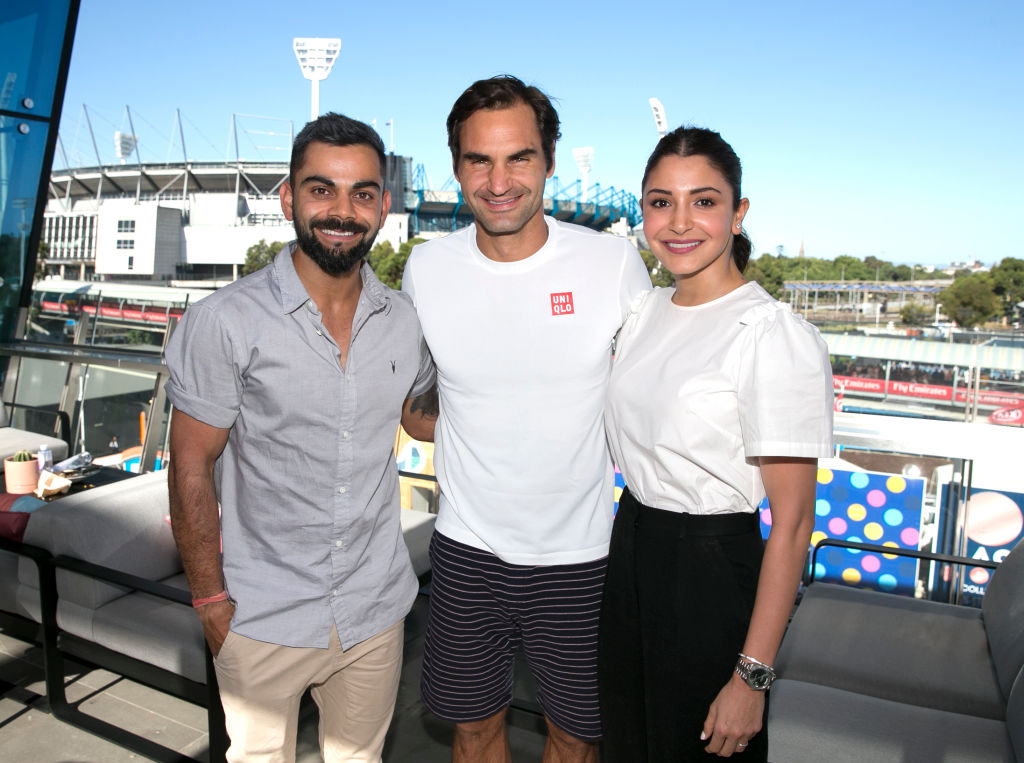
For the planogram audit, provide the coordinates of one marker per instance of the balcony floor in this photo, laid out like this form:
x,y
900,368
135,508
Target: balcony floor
x,y
29,732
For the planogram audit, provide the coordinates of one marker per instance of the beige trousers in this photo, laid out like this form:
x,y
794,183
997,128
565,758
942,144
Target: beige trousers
x,y
355,689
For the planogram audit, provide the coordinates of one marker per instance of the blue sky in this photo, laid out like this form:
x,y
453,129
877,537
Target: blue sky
x,y
874,128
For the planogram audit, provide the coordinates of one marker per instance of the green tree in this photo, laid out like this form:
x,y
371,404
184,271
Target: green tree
x,y
659,274
389,264
915,314
807,269
970,300
260,255
769,271
901,273
1008,283
847,268
878,270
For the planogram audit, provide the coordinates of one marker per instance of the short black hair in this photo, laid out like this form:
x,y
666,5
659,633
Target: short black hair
x,y
503,92
335,130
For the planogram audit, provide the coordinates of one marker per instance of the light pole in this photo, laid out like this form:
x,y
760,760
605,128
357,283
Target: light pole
x,y
124,144
584,161
316,56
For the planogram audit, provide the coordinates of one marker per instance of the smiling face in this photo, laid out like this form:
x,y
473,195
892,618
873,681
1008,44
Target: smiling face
x,y
501,169
337,204
690,218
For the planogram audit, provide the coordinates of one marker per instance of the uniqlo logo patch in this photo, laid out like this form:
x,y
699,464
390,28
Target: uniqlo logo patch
x,y
561,303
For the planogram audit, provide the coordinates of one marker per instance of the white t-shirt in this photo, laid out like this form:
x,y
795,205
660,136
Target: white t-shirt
x,y
523,355
698,392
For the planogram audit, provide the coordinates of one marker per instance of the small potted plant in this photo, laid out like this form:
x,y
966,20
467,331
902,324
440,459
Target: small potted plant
x,y
21,472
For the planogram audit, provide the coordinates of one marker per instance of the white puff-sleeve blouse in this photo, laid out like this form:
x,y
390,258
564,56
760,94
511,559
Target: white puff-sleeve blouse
x,y
698,393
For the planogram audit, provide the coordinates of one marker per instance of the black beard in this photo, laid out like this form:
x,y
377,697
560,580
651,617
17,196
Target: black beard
x,y
330,260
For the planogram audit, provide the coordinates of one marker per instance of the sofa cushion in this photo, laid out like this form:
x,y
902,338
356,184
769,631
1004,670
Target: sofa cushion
x,y
15,510
1003,614
810,723
1015,715
9,585
120,525
154,630
12,440
892,647
13,524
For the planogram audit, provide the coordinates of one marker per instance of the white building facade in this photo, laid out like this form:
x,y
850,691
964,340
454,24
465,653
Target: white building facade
x,y
175,222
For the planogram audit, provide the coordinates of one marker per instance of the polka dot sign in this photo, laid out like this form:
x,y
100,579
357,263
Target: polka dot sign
x,y
867,507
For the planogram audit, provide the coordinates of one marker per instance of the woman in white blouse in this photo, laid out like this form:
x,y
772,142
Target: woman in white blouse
x,y
719,395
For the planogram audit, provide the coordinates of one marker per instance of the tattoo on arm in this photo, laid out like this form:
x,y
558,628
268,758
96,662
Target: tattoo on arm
x,y
426,405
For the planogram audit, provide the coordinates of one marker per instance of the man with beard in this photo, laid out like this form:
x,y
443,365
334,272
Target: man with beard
x,y
288,387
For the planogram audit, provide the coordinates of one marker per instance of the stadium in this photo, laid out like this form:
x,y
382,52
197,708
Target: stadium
x,y
193,221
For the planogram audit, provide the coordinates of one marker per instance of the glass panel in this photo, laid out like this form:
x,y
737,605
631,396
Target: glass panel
x,y
109,411
22,145
37,399
112,409
31,37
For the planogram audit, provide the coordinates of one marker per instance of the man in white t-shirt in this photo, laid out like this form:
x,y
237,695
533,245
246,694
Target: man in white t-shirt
x,y
519,311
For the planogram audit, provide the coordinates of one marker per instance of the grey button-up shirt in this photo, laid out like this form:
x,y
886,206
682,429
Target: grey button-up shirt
x,y
307,481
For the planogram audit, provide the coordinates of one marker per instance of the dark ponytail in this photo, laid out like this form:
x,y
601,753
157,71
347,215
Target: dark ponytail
x,y
741,248
697,141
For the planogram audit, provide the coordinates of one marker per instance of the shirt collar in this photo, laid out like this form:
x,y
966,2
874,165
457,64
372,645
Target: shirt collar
x,y
375,292
293,295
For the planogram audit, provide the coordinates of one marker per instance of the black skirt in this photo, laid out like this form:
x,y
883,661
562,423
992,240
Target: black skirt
x,y
677,603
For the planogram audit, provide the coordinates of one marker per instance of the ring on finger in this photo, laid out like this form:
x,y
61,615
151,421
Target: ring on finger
x,y
741,745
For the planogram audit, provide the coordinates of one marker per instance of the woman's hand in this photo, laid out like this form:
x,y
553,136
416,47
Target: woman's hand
x,y
734,717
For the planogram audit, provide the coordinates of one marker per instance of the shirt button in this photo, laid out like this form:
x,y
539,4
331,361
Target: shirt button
x,y
346,434
343,490
337,543
319,332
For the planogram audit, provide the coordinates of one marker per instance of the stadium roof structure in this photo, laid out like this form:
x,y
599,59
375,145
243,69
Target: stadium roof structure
x,y
880,287
595,207
920,350
171,179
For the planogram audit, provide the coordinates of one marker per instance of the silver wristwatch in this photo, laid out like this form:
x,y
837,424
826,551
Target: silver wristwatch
x,y
757,675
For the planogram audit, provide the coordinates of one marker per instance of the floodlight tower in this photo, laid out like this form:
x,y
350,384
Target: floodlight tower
x,y
124,144
660,121
316,57
584,161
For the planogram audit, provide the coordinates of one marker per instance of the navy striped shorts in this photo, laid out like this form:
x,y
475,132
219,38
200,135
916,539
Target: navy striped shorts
x,y
482,609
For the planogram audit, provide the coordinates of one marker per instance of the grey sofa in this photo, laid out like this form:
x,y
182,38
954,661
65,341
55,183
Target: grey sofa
x,y
13,439
868,676
118,597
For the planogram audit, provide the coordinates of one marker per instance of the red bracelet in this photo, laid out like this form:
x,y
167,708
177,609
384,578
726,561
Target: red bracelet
x,y
222,596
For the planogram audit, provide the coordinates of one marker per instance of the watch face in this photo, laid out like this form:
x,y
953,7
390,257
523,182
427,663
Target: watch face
x,y
761,678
